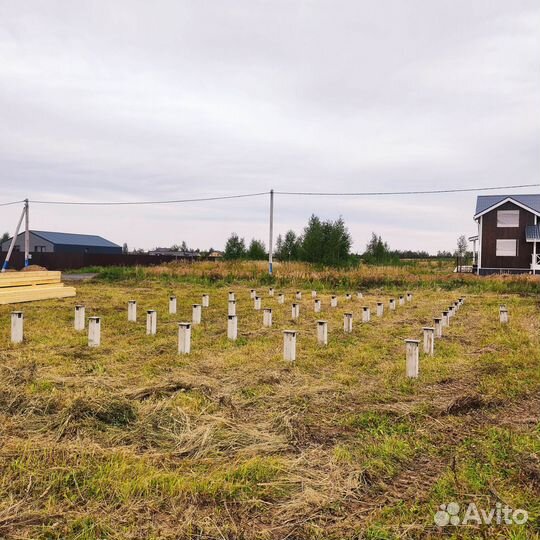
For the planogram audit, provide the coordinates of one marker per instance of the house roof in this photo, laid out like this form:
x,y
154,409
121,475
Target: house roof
x,y
73,239
487,202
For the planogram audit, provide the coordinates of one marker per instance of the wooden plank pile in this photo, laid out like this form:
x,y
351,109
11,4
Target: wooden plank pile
x,y
29,286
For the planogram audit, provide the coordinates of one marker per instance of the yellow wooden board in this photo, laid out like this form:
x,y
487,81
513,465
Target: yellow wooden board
x,y
10,290
15,279
28,282
37,273
15,295
18,287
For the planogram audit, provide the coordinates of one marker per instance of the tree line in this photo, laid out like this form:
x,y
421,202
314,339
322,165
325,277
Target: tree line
x,y
322,241
329,242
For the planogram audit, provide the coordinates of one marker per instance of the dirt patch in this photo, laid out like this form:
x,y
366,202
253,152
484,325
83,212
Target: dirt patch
x,y
530,470
466,403
15,401
302,432
84,411
163,389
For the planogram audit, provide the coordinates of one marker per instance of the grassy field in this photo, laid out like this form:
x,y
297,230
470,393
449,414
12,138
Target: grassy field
x,y
132,441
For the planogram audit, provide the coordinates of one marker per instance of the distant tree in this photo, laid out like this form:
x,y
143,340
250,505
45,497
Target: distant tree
x,y
312,249
5,238
378,252
256,250
278,250
125,249
287,249
324,242
376,248
336,243
444,254
184,246
235,248
410,254
462,245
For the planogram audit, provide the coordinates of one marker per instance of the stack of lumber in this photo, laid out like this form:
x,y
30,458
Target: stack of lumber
x,y
29,286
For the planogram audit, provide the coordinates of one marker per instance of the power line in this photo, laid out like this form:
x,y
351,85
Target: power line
x,y
417,192
170,201
259,194
10,203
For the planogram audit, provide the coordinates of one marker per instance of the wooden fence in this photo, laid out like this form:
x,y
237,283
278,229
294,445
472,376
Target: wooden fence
x,y
70,261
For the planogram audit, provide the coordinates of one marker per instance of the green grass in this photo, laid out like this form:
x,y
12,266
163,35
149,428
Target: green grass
x,y
132,441
418,274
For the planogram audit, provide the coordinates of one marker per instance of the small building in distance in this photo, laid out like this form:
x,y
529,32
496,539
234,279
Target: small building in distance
x,y
169,252
59,242
508,234
215,255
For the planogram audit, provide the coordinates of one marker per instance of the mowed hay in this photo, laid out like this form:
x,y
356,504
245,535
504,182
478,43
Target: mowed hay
x,y
132,440
33,285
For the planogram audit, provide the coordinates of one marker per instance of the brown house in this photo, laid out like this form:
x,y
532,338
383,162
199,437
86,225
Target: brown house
x,y
508,233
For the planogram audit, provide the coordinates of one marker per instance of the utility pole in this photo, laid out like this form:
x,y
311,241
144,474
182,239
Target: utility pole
x,y
270,241
14,240
26,233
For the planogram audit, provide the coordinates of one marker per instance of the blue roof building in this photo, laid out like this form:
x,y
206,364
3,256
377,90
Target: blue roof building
x,y
59,242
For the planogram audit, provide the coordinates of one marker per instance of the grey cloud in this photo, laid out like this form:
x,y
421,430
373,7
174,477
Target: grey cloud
x,y
136,100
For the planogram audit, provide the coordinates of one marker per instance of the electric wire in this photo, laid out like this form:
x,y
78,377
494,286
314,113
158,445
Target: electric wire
x,y
411,192
169,201
277,192
11,203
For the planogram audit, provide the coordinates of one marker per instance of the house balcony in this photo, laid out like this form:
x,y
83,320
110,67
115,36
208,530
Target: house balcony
x,y
535,264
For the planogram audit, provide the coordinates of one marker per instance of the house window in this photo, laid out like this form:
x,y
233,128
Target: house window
x,y
506,248
508,218
41,249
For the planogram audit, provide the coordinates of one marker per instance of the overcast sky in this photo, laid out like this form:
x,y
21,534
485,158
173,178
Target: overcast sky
x,y
128,100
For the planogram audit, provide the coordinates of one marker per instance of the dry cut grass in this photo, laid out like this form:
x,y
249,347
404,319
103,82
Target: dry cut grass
x,y
132,441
